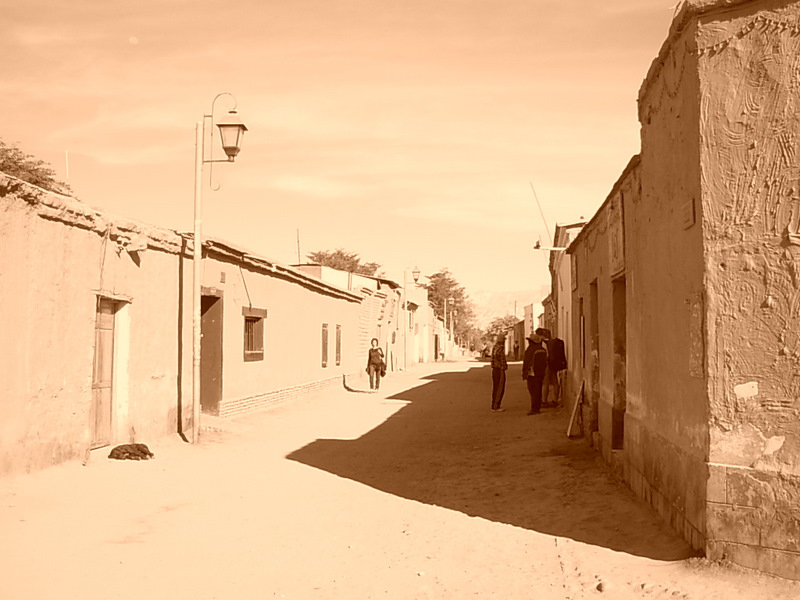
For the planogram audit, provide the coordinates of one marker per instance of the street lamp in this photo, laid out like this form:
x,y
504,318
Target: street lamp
x,y
231,130
538,246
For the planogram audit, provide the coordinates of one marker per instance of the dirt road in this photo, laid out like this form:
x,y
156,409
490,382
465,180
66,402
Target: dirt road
x,y
417,492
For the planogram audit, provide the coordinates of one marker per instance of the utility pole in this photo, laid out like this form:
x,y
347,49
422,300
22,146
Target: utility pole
x,y
546,226
405,320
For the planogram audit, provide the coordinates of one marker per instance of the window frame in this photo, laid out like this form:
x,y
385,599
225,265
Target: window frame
x,y
253,340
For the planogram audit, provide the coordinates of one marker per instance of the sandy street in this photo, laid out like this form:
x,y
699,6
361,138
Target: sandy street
x,y
417,492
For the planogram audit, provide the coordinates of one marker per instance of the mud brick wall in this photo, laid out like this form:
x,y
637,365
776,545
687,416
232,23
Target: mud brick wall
x,y
749,72
666,421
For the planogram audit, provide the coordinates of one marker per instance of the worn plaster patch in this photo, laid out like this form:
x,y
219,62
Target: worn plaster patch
x,y
774,444
746,390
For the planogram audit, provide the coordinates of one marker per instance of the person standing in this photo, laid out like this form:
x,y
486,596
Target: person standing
x,y
548,376
499,367
375,365
534,366
556,362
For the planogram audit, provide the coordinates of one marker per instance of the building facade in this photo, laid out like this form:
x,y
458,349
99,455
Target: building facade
x,y
96,317
685,289
598,346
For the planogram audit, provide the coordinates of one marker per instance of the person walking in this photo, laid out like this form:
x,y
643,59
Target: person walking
x,y
376,366
499,367
534,366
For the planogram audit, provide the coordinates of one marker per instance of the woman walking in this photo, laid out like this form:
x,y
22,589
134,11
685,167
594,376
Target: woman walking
x,y
376,367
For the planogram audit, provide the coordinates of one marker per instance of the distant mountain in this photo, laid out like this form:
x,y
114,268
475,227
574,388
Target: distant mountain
x,y
490,305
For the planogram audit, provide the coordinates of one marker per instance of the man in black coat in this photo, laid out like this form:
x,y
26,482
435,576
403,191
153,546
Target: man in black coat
x,y
534,366
499,366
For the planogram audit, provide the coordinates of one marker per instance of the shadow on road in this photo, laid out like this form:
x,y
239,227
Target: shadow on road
x,y
446,448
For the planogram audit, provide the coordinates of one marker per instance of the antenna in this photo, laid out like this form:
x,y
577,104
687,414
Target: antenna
x,y
66,162
299,260
546,226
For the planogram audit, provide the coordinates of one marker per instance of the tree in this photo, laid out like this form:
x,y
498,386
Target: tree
x,y
27,167
500,325
344,260
442,287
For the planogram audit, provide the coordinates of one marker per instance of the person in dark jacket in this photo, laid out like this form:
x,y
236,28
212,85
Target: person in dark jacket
x,y
375,365
534,366
556,361
499,367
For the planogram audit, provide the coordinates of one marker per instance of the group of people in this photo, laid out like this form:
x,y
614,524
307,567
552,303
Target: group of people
x,y
544,358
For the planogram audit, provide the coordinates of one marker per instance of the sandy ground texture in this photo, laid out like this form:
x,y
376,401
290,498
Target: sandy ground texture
x,y
417,492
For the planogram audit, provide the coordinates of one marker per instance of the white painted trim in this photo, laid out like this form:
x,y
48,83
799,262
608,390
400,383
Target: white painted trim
x,y
121,431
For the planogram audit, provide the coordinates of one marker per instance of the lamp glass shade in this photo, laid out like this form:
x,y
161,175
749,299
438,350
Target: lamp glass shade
x,y
231,130
415,275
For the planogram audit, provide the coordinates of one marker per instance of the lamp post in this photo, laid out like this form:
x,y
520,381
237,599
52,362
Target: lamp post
x,y
446,329
231,130
407,325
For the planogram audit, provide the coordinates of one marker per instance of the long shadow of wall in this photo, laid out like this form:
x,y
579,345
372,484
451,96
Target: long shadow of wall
x,y
446,448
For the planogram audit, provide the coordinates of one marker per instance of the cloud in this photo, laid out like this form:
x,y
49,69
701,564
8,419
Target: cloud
x,y
440,113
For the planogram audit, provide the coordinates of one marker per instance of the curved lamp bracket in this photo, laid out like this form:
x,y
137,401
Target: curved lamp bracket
x,y
209,119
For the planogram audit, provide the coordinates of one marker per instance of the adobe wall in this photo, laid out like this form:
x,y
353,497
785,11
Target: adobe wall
x,y
292,336
51,273
749,71
666,439
597,259
57,256
591,365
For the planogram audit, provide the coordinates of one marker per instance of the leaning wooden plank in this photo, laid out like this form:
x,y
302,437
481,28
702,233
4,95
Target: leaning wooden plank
x,y
578,402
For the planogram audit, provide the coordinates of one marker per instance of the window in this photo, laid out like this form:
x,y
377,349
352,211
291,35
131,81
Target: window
x,y
324,345
253,333
338,345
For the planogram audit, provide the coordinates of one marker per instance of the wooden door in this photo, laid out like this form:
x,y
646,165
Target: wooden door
x,y
211,354
102,377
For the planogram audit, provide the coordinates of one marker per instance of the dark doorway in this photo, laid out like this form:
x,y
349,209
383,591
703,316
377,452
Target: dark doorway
x,y
211,354
436,347
620,360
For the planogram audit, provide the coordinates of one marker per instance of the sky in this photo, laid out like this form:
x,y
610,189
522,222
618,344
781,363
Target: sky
x,y
415,133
